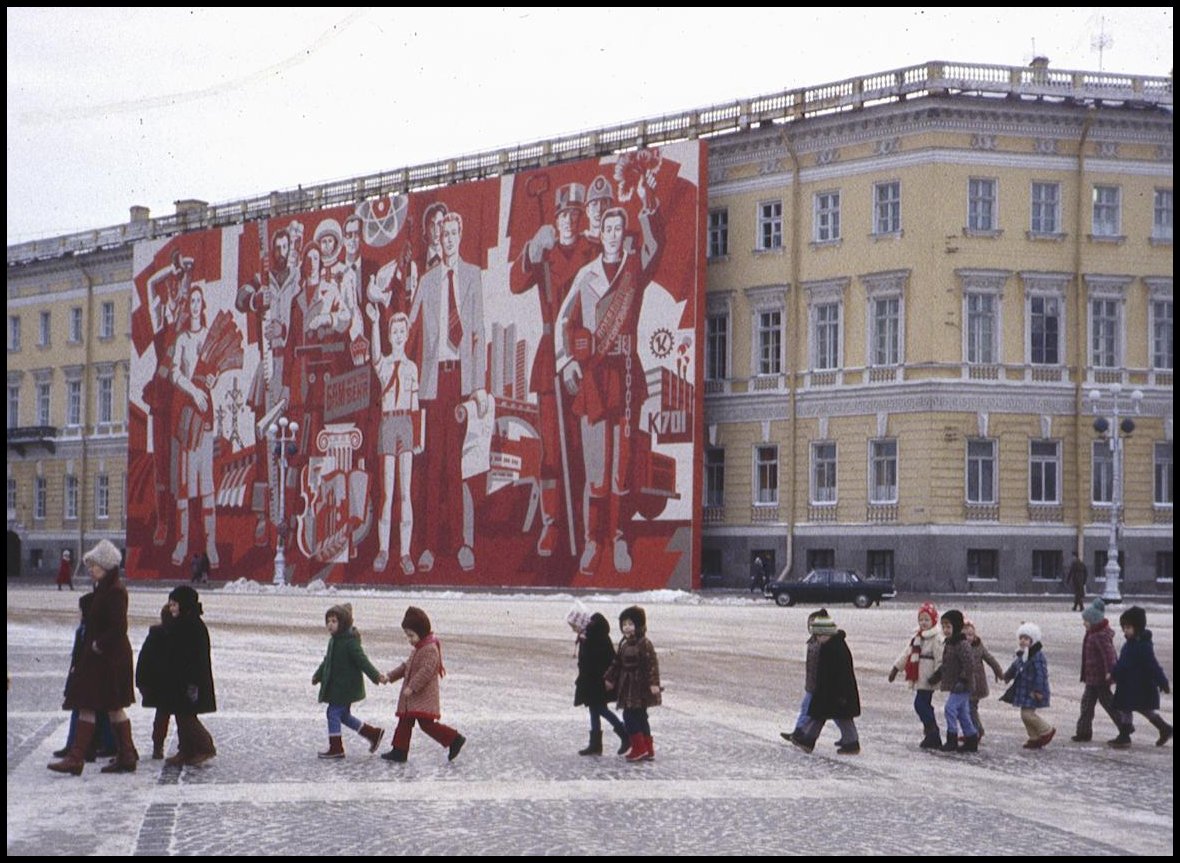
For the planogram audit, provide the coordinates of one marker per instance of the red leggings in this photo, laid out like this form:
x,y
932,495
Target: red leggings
x,y
444,734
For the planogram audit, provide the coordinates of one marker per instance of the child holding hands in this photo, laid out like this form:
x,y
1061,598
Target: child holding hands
x,y
341,683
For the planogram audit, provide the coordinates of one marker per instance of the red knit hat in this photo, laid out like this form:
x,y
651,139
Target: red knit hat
x,y
928,608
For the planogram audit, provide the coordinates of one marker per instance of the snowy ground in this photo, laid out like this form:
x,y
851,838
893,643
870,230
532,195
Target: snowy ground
x,y
723,782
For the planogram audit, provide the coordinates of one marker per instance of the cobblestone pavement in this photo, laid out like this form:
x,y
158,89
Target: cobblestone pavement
x,y
723,782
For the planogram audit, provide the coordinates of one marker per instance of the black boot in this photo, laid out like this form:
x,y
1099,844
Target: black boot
x,y
970,743
933,738
624,741
595,747
952,743
396,755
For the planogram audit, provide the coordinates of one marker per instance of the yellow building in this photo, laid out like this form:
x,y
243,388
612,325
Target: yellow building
x,y
915,278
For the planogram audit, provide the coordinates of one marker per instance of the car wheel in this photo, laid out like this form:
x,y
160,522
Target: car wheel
x,y
862,600
784,599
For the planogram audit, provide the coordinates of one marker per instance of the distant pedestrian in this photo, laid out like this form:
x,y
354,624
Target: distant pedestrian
x,y
1029,675
341,682
919,661
1098,659
189,688
836,695
956,677
200,567
596,653
151,678
65,570
758,575
981,657
634,678
1139,680
1075,578
419,698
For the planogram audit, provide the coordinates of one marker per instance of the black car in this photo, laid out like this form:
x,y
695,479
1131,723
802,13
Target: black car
x,y
823,586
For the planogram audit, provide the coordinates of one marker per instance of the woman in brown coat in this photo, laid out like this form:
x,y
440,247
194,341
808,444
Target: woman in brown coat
x,y
103,681
635,677
419,698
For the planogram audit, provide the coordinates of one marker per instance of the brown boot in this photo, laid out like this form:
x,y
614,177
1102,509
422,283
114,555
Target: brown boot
x,y
126,758
373,735
335,748
75,759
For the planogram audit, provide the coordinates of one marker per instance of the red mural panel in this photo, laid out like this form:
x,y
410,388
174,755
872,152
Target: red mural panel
x,y
492,383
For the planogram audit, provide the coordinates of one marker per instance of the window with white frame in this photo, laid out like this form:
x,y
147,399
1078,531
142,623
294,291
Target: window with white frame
x,y
1044,330
40,493
826,336
766,471
982,564
879,563
1161,334
770,342
107,321
14,333
981,204
1046,564
70,502
717,346
43,399
1106,218
44,330
883,471
823,472
76,324
718,233
887,207
1044,470
770,225
714,476
13,405
1046,208
981,471
106,399
1163,474
1161,222
1105,349
102,496
982,329
1101,472
11,496
73,402
827,217
885,319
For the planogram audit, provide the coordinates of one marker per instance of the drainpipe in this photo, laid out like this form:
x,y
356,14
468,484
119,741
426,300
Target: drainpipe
x,y
794,250
87,416
1080,343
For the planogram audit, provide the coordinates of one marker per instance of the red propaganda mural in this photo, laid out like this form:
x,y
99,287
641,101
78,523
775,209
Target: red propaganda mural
x,y
492,383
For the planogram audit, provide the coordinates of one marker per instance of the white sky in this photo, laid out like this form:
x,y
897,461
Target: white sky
x,y
113,107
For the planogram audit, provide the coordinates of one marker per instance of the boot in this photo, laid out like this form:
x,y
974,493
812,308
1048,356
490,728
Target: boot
x,y
595,747
126,758
970,743
624,741
456,745
638,748
335,748
395,755
849,749
159,735
800,740
1123,741
1165,733
952,743
75,759
1082,738
373,735
933,738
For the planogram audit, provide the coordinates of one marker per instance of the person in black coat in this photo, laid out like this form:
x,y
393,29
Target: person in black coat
x,y
1139,679
151,678
596,652
188,687
836,694
103,743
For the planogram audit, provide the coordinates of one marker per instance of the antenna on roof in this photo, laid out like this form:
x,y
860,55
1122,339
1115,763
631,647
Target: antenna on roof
x,y
1101,41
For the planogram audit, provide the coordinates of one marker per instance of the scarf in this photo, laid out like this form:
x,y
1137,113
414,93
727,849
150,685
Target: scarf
x,y
915,657
433,639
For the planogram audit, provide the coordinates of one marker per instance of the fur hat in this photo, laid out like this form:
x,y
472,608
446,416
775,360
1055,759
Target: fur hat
x,y
636,615
343,615
104,555
416,621
1096,612
1136,617
1031,630
187,598
955,618
928,608
822,624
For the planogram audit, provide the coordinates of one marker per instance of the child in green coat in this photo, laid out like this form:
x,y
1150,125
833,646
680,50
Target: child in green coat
x,y
340,681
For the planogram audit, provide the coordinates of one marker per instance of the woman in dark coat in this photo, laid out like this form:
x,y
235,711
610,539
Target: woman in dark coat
x,y
103,680
836,694
188,689
595,655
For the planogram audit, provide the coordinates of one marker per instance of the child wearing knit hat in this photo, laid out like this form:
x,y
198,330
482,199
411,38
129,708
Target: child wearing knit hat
x,y
1098,660
836,695
810,668
1029,674
919,661
1139,680
341,680
981,660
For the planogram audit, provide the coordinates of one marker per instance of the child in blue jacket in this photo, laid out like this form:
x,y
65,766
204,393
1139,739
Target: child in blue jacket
x,y
1138,678
1029,674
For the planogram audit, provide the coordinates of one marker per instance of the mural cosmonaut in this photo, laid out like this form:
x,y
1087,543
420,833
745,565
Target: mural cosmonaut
x,y
493,383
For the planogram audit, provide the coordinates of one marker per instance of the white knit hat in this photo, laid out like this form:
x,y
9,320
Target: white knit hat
x,y
1031,630
104,555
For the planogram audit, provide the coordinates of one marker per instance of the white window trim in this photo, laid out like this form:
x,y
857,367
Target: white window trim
x,y
767,298
1157,504
1105,444
899,229
811,485
755,485
1159,290
721,256
1057,463
883,286
995,490
1156,238
1101,287
102,513
994,230
71,489
1117,236
984,282
896,472
44,329
720,304
815,213
76,335
759,222
821,293
1048,286
1033,232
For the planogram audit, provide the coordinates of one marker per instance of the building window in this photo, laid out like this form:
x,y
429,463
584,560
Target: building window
x,y
1161,223
981,471
1163,473
43,391
44,330
981,205
73,403
717,347
879,563
718,233
76,324
1044,467
981,328
39,495
823,472
11,498
827,336
102,496
827,217
1106,211
887,208
981,564
766,469
107,322
770,343
1101,472
770,225
13,405
1046,565
883,471
14,333
714,476
1161,334
1104,334
106,399
1046,208
1044,330
70,507
821,558
886,338
1163,566
1100,559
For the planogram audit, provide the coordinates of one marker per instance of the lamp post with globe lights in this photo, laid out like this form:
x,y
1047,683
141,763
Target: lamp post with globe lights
x,y
1114,404
282,436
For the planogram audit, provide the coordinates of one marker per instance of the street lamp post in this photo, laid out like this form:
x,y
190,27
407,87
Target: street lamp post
x,y
1114,430
282,436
